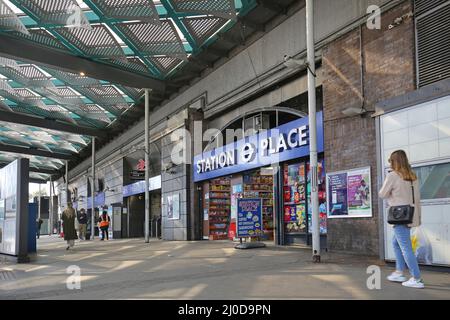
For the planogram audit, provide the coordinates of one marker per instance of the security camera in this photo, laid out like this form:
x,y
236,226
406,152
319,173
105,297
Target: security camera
x,y
292,63
109,189
169,167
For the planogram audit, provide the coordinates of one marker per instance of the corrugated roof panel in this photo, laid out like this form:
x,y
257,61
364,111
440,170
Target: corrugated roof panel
x,y
202,28
143,10
61,12
96,43
220,8
152,39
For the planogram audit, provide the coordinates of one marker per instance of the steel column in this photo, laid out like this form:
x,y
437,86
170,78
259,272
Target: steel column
x,y
93,191
147,164
312,128
50,208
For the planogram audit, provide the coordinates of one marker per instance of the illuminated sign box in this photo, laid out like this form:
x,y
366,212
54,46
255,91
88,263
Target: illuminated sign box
x,y
283,143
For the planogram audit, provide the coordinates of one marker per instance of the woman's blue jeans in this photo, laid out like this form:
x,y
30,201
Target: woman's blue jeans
x,y
404,254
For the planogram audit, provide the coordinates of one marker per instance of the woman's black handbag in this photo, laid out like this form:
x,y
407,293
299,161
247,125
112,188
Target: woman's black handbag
x,y
402,214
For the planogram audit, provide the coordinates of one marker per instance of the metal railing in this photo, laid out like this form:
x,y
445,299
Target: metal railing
x,y
155,227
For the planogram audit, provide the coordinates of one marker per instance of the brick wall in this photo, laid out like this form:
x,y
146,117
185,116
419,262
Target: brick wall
x,y
350,142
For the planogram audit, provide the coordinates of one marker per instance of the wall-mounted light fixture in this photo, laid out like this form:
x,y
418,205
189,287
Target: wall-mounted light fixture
x,y
292,63
169,167
108,189
353,111
398,21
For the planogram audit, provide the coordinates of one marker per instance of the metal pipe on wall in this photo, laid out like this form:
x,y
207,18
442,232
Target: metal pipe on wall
x,y
93,191
312,128
147,165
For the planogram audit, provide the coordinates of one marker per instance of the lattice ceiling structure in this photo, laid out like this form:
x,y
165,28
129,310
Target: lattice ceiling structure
x,y
124,32
155,40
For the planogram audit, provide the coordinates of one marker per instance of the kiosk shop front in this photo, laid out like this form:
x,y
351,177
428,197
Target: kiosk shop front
x,y
273,166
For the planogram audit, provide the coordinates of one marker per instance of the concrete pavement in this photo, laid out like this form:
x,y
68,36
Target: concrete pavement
x,y
131,269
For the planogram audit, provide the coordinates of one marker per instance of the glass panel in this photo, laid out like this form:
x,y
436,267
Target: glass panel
x,y
2,210
434,181
294,194
322,198
10,204
259,184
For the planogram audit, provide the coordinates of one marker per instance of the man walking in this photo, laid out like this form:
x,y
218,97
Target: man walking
x,y
82,222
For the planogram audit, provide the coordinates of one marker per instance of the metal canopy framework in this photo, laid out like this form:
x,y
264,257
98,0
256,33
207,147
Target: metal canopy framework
x,y
118,31
72,98
78,67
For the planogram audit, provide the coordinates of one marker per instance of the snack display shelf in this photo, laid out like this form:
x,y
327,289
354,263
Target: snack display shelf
x,y
261,186
219,208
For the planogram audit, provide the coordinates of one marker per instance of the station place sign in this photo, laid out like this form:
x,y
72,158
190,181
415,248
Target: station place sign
x,y
283,143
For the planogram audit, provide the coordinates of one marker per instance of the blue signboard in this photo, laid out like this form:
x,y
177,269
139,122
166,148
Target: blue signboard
x,y
139,187
283,143
99,200
134,188
249,219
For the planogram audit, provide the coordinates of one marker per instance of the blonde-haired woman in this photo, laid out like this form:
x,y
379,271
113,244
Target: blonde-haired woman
x,y
397,191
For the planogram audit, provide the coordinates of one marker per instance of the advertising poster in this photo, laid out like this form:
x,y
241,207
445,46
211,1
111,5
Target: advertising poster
x,y
249,221
8,196
337,194
359,197
236,193
295,217
173,207
111,223
349,194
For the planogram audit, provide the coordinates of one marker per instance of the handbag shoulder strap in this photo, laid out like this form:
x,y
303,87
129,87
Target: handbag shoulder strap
x,y
412,191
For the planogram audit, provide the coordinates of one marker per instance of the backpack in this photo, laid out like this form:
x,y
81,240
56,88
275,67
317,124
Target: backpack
x,y
104,223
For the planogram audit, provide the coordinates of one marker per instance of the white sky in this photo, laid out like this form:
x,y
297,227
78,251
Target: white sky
x,y
35,187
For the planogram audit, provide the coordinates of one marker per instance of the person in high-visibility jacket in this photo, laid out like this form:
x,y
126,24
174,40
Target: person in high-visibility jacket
x,y
104,224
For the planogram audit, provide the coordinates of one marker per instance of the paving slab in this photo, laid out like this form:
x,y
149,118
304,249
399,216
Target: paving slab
x,y
210,270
